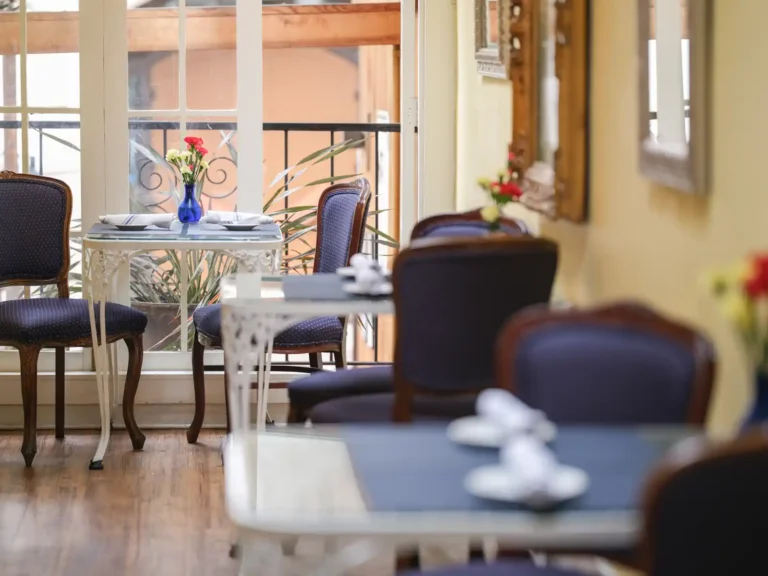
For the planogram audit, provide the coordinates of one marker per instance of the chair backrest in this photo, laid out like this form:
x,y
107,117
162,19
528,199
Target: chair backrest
x,y
704,510
464,224
451,299
341,216
616,364
35,213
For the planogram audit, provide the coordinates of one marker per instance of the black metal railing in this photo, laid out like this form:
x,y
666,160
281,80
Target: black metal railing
x,y
150,178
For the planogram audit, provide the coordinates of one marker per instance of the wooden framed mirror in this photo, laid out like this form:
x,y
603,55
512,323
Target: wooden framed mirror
x,y
545,51
487,39
673,54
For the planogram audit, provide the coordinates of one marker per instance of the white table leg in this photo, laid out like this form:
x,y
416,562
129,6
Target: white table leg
x,y
98,285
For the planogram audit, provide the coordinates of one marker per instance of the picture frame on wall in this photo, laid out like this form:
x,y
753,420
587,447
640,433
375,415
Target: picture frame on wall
x,y
487,33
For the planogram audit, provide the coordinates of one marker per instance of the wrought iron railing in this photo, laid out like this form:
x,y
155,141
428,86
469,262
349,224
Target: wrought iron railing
x,y
151,178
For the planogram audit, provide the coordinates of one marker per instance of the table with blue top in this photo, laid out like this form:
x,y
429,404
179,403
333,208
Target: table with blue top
x,y
405,484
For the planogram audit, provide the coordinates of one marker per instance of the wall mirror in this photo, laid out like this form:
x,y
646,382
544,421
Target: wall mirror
x,y
673,55
545,51
487,39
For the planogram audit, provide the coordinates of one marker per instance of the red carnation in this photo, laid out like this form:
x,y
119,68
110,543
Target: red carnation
x,y
757,284
510,189
193,141
511,157
202,151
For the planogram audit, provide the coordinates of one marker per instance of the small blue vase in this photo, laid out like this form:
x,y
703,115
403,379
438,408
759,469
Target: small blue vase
x,y
189,208
759,412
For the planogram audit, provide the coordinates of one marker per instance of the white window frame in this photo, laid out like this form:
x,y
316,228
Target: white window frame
x,y
104,133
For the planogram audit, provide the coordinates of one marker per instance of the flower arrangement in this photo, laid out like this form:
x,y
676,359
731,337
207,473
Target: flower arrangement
x,y
190,162
502,191
742,291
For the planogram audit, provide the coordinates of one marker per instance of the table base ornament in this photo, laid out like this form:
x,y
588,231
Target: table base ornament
x,y
103,259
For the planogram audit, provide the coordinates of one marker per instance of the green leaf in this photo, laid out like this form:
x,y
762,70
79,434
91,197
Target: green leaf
x,y
316,182
382,235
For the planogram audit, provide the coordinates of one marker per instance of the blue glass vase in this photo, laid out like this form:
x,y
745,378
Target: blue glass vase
x,y
189,208
759,412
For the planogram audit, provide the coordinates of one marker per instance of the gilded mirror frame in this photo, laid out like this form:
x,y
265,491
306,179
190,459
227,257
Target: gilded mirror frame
x,y
562,192
685,172
487,56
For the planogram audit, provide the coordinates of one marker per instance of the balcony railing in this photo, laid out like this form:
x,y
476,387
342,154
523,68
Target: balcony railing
x,y
151,177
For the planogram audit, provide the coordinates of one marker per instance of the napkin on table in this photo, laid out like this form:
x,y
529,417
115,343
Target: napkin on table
x,y
506,410
215,217
534,466
368,272
159,220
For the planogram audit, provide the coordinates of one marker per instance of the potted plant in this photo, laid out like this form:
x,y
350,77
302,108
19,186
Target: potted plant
x,y
742,292
502,191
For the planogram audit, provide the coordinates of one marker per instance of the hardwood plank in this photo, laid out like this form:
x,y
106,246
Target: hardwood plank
x,y
154,30
160,511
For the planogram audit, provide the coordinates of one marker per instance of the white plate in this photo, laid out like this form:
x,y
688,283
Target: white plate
x,y
349,272
481,432
383,289
500,483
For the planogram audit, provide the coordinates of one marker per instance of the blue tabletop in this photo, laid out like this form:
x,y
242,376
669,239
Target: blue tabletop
x,y
416,468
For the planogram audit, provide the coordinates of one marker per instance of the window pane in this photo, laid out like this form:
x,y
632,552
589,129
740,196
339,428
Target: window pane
x,y
54,151
10,75
153,60
211,73
10,142
153,185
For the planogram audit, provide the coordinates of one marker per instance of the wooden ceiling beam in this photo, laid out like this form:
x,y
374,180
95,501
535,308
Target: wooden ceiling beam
x,y
157,29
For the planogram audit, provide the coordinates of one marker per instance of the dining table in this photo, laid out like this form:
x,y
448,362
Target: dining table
x,y
380,487
107,250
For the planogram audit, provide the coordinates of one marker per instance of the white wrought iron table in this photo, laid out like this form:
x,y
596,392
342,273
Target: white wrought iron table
x,y
106,250
367,490
283,484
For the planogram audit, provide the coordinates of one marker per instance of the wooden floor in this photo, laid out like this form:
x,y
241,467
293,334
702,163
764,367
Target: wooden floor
x,y
156,512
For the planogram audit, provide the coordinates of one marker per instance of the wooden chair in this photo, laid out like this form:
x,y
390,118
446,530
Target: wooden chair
x,y
306,393
704,509
341,217
616,364
35,214
451,299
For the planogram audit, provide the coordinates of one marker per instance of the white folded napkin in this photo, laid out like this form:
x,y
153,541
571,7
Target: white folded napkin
x,y
159,220
368,272
214,217
534,467
506,410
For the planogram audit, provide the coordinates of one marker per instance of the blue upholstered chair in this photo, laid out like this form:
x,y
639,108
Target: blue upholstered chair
x,y
305,393
612,365
341,218
452,297
616,364
704,510
35,215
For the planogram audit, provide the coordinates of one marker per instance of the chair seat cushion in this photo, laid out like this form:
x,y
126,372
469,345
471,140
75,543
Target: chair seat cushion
x,y
520,568
62,320
378,408
305,393
312,332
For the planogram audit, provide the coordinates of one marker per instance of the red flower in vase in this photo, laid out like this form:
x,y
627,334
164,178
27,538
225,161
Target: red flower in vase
x,y
193,141
757,284
203,151
510,189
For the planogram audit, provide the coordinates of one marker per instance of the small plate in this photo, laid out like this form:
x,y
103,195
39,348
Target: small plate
x,y
349,272
240,227
131,227
383,289
500,483
483,433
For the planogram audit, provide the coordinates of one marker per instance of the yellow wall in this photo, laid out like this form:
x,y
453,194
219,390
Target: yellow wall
x,y
644,241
